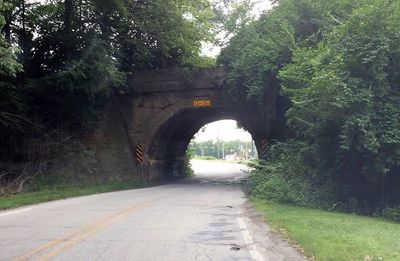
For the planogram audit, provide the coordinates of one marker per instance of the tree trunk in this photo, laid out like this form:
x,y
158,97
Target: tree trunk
x,y
24,41
68,12
7,27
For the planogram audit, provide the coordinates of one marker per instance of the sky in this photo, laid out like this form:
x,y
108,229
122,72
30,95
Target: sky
x,y
261,6
226,130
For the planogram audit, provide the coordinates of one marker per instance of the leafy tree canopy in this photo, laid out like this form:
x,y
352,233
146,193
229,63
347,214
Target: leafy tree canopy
x,y
337,62
61,59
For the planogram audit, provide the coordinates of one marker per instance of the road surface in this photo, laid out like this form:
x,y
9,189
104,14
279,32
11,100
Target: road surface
x,y
206,217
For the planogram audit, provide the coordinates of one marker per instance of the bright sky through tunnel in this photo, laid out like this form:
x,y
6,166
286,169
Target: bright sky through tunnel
x,y
226,130
223,140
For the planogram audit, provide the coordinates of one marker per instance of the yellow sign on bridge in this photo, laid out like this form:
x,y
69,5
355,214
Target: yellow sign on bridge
x,y
202,103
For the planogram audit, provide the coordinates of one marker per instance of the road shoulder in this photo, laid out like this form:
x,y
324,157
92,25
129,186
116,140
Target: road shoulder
x,y
271,244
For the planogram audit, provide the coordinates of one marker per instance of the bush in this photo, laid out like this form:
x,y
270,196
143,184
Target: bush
x,y
269,182
392,213
276,188
290,175
188,166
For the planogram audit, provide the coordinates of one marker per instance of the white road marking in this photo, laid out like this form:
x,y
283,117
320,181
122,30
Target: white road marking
x,y
14,212
249,240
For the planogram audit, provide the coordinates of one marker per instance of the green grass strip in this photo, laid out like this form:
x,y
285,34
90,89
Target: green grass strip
x,y
62,192
329,236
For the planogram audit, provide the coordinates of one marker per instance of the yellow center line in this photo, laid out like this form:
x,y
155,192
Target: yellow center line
x,y
80,235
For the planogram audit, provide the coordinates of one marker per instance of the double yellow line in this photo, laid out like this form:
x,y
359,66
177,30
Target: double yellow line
x,y
60,245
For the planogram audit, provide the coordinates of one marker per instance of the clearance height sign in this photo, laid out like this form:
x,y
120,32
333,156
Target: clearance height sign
x,y
202,103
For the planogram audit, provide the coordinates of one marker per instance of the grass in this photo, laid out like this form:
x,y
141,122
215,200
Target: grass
x,y
61,192
329,236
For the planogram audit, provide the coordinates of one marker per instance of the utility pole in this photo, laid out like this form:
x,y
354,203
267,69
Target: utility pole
x,y
223,149
218,141
246,151
218,153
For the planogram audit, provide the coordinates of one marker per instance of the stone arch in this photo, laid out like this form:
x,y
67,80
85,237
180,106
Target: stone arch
x,y
161,116
167,149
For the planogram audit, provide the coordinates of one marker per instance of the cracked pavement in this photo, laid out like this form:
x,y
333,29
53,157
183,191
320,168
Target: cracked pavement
x,y
195,219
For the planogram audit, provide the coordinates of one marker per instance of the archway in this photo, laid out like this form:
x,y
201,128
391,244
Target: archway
x,y
165,110
166,153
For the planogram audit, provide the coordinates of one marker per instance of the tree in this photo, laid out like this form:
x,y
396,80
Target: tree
x,y
345,100
337,62
145,39
75,54
262,48
11,105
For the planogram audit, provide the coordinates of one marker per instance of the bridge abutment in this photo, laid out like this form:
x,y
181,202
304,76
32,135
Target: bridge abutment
x,y
162,115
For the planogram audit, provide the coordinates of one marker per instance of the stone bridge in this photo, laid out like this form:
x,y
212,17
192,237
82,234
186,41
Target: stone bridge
x,y
167,107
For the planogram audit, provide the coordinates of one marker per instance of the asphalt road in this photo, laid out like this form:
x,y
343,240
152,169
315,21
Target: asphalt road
x,y
206,217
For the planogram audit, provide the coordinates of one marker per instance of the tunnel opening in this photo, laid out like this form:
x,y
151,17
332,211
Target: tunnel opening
x,y
222,140
168,148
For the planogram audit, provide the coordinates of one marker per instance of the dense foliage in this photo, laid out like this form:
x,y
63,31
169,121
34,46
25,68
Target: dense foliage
x,y
338,62
10,101
60,59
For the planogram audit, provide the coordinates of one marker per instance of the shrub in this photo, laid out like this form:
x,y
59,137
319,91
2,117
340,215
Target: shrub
x,y
270,183
283,177
392,213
